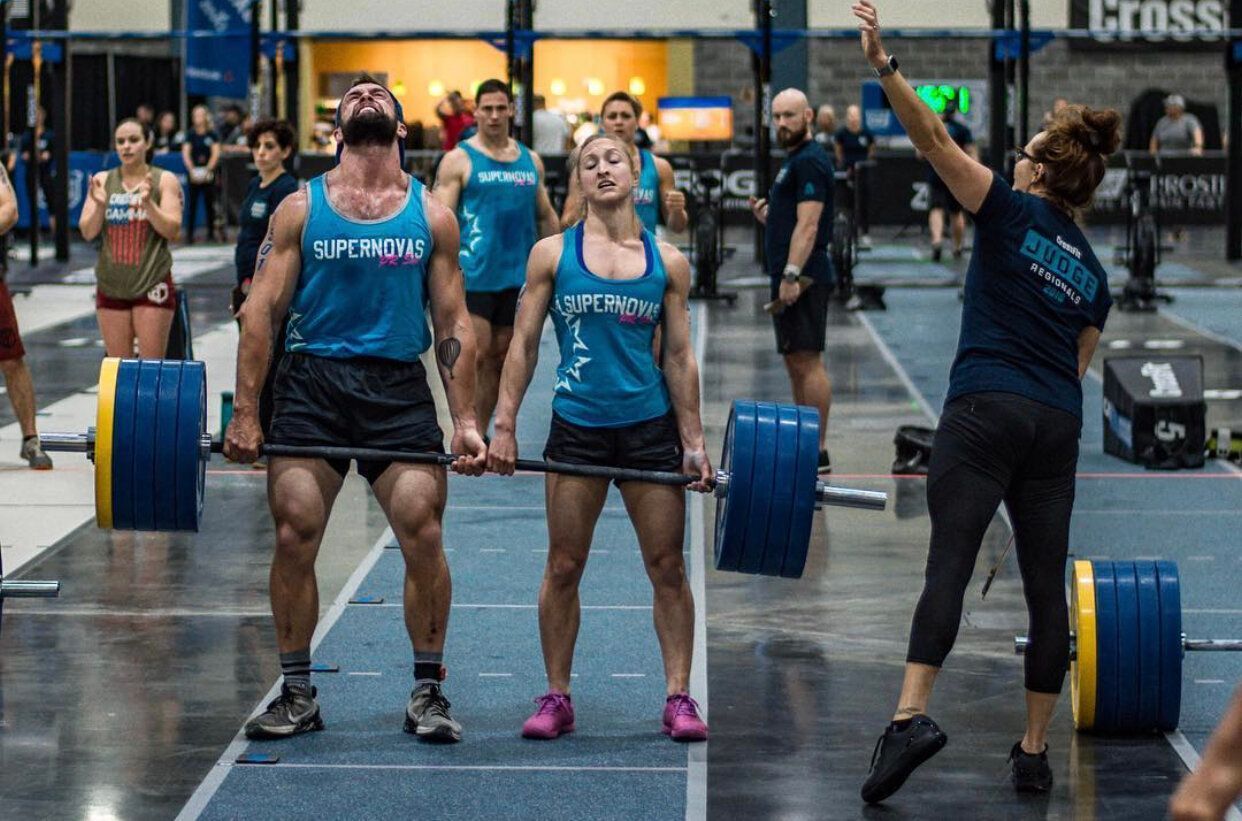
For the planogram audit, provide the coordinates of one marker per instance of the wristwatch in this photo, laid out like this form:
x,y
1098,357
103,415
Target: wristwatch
x,y
888,68
791,274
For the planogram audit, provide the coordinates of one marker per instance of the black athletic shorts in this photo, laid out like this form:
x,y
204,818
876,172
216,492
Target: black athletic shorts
x,y
941,197
803,325
651,445
497,307
361,402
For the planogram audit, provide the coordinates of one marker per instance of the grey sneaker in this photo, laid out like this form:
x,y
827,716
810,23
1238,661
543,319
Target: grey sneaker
x,y
33,453
290,713
427,716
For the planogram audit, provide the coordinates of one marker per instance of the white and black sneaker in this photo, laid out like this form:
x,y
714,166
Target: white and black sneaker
x,y
427,716
290,713
32,452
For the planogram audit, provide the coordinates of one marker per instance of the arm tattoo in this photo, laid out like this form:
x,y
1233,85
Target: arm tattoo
x,y
447,351
265,249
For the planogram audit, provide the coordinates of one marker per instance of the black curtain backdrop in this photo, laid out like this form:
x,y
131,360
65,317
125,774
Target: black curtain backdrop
x,y
89,125
153,80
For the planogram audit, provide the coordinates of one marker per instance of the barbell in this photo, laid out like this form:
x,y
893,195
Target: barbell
x,y
1126,646
150,447
24,588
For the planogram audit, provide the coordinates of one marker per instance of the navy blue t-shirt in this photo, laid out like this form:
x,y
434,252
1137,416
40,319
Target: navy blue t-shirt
x,y
256,212
1032,287
200,146
854,147
806,175
961,135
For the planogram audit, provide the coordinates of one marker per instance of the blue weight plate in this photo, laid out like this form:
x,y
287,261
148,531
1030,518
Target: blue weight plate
x,y
732,510
1170,645
191,422
123,433
1106,644
1127,647
145,433
762,482
166,448
781,512
805,478
1148,645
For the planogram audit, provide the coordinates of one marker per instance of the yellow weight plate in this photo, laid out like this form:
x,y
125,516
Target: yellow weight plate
x,y
103,442
1082,668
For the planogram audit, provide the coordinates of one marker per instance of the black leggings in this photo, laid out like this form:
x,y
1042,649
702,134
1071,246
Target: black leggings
x,y
989,448
208,192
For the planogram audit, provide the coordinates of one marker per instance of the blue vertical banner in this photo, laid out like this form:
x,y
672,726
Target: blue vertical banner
x,y
218,66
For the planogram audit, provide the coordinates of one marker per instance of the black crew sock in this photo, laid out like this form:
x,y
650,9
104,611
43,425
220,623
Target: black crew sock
x,y
26,439
427,667
295,667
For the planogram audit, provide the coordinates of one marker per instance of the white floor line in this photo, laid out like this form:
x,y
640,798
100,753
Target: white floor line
x,y
202,796
1199,329
696,754
472,768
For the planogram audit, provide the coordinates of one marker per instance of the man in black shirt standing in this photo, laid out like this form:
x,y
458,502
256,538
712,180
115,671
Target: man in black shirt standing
x,y
940,198
854,143
798,216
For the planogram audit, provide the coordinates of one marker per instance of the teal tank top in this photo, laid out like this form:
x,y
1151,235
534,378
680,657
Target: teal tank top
x,y
607,376
497,213
363,287
647,194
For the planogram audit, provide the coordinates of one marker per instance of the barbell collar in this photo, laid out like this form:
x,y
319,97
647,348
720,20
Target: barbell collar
x,y
65,442
22,589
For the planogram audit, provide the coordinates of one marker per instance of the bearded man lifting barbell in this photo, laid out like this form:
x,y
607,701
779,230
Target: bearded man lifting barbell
x,y
355,258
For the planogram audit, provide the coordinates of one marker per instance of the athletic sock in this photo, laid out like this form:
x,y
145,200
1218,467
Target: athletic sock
x,y
295,667
427,667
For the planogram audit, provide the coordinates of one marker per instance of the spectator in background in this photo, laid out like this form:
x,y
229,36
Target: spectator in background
x,y
233,130
44,138
586,128
1177,130
854,143
941,198
551,130
201,154
145,115
1057,104
455,118
321,137
826,128
167,138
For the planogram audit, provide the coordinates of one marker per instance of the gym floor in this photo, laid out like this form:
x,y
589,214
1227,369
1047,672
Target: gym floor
x,y
124,697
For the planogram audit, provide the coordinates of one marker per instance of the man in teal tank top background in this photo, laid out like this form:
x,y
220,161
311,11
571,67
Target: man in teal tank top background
x,y
495,186
356,258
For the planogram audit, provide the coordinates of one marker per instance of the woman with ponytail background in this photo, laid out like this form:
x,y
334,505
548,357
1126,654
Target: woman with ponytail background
x,y
1036,298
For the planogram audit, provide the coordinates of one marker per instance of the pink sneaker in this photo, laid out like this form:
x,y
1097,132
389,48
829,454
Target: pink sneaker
x,y
681,719
554,717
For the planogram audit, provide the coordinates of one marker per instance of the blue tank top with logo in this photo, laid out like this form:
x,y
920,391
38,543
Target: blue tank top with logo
x,y
363,287
497,212
647,193
607,376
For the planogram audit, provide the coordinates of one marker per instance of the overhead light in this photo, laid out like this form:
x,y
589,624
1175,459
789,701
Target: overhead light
x,y
399,89
558,88
637,86
435,88
595,86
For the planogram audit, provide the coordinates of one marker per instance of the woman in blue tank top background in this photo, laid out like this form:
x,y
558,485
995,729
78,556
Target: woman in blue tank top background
x,y
609,284
656,194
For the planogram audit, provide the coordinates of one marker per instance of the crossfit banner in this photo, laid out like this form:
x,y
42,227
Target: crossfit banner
x,y
1188,190
218,66
1167,24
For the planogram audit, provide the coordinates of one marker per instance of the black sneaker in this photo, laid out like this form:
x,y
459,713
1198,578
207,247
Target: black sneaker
x,y
290,713
427,716
1031,773
825,464
898,753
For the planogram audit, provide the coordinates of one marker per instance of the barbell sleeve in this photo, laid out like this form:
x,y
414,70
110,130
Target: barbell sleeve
x,y
1020,643
22,589
851,497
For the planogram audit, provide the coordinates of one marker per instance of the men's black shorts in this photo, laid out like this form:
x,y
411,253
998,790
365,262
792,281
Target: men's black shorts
x,y
360,402
497,307
803,325
939,196
651,445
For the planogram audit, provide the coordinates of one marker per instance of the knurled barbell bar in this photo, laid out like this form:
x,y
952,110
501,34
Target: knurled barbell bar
x,y
1126,646
24,588
150,447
